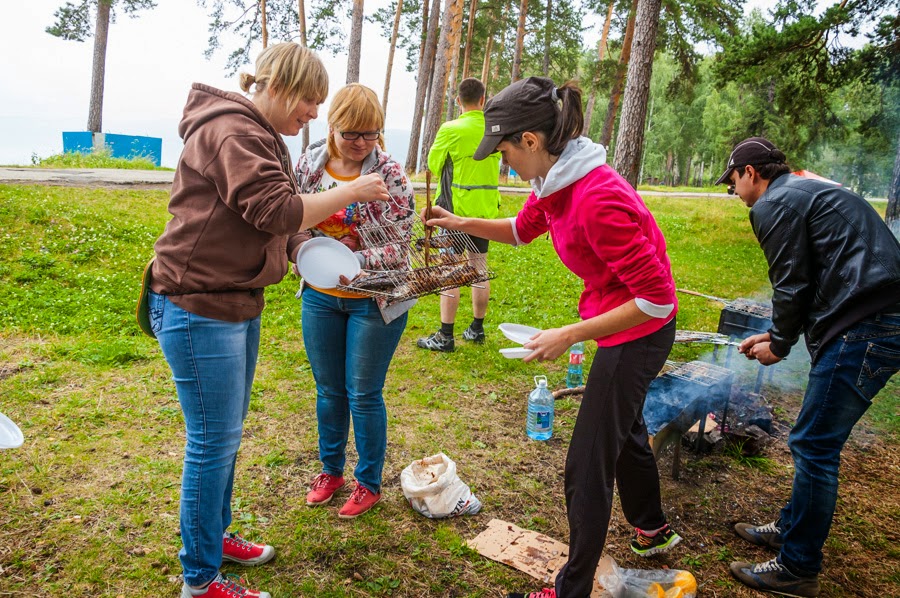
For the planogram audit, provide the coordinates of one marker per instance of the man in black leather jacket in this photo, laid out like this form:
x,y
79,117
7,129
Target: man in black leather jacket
x,y
834,266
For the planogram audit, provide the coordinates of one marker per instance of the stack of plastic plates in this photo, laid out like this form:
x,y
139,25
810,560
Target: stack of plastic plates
x,y
518,334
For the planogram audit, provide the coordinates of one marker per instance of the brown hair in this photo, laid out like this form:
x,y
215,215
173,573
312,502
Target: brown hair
x,y
355,107
470,91
567,125
292,71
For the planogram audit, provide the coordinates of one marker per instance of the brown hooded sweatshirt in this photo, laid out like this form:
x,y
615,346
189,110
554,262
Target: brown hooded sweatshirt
x,y
234,201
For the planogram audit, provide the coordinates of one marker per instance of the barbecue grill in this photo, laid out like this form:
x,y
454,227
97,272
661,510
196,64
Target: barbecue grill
x,y
739,319
742,318
437,259
682,395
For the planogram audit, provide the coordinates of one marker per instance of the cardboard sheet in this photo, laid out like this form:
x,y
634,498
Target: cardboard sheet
x,y
537,555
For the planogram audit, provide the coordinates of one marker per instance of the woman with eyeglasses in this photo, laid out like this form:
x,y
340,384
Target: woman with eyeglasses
x,y
350,338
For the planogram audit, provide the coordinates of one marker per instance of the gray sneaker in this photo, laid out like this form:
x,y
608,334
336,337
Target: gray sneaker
x,y
772,576
768,535
437,342
476,336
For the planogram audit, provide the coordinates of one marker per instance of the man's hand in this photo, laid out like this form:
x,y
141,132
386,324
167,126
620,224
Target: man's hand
x,y
758,347
548,344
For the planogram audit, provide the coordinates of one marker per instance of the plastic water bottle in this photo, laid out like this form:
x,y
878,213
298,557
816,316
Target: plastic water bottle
x,y
539,425
575,376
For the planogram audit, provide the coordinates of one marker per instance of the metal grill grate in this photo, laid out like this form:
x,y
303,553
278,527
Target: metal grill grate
x,y
437,260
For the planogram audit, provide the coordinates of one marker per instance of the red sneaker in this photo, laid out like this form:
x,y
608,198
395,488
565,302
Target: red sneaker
x,y
238,550
224,587
361,500
323,488
545,593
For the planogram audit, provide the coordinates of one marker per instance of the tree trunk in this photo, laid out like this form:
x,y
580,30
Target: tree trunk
x,y
355,42
424,32
98,72
390,64
264,23
495,70
630,141
301,15
892,214
451,23
486,64
473,8
545,68
454,70
520,42
616,94
601,51
422,86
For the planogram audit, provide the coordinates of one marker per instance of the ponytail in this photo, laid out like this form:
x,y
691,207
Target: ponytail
x,y
569,120
565,125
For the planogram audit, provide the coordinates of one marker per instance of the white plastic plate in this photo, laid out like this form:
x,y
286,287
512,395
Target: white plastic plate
x,y
10,434
518,333
322,260
515,352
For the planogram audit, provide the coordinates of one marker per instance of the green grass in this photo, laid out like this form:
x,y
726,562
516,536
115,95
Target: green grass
x,y
95,159
90,502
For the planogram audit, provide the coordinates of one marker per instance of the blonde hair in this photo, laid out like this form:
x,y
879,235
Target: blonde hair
x,y
292,71
355,107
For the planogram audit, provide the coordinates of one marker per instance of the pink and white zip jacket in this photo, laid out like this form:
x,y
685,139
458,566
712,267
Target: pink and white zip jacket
x,y
605,235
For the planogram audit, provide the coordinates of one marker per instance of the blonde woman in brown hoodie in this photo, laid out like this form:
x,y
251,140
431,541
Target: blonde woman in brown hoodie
x,y
234,203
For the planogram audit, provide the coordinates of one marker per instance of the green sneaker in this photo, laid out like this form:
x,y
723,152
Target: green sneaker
x,y
772,576
662,541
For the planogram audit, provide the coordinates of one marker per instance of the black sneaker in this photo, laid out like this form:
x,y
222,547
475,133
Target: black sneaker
x,y
768,535
437,342
644,545
476,336
772,576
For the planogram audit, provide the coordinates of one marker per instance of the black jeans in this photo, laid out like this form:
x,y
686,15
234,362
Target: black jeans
x,y
610,444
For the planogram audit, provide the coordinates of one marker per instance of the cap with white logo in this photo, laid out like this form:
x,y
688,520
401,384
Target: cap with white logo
x,y
525,105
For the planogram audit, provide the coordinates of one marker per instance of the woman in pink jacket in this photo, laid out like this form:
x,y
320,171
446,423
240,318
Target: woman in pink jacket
x,y
602,232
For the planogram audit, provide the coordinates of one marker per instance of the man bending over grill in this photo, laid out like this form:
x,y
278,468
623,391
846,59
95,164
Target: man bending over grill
x,y
835,272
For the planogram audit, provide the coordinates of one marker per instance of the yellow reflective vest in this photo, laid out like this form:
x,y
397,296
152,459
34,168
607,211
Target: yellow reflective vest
x,y
467,187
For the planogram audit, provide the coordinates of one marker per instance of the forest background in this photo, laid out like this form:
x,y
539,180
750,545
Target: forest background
x,y
670,86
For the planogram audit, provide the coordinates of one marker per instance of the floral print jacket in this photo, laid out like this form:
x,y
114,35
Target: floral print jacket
x,y
397,213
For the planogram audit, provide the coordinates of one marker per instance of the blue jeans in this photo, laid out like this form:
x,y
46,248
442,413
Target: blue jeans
x,y
350,348
213,363
850,371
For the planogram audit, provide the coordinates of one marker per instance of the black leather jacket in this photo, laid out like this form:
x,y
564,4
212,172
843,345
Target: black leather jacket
x,y
832,260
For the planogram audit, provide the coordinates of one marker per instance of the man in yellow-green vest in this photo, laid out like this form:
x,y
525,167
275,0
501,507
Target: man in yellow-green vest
x,y
467,188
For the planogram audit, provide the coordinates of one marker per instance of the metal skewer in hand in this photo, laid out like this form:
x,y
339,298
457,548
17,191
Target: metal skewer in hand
x,y
428,229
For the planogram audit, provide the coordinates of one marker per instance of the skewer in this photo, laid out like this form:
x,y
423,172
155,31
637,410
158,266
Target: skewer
x,y
428,229
714,298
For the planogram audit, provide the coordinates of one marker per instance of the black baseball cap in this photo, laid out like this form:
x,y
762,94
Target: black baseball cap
x,y
522,106
754,151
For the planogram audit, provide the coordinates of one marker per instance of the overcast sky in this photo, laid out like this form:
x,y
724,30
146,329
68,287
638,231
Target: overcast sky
x,y
151,62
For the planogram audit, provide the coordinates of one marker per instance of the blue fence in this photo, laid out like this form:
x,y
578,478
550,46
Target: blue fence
x,y
120,146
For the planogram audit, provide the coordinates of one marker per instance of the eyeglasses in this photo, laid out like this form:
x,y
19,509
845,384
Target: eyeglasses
x,y
354,135
730,189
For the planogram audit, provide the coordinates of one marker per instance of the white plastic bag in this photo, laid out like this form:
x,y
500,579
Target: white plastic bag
x,y
433,489
645,583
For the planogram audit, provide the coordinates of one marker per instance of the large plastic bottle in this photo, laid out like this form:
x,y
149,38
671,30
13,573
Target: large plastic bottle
x,y
575,375
539,425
